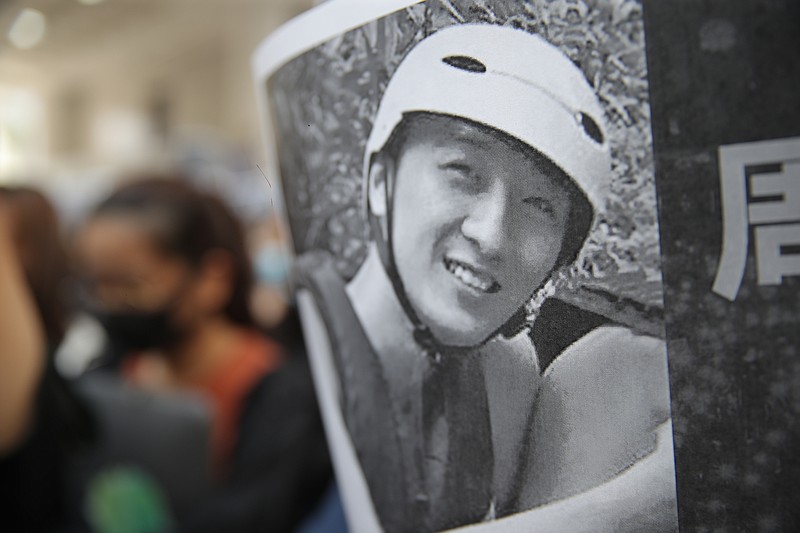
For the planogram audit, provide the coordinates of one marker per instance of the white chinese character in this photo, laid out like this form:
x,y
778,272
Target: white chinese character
x,y
773,209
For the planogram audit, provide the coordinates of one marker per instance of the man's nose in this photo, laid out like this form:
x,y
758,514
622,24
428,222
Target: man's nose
x,y
486,223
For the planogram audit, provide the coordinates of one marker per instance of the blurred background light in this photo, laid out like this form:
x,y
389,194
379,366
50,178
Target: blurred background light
x,y
28,29
133,86
23,135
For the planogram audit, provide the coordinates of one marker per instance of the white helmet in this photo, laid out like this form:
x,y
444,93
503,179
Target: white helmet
x,y
510,80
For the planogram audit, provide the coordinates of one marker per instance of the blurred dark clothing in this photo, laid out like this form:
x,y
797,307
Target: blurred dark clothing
x,y
227,389
329,516
280,467
150,456
288,333
33,478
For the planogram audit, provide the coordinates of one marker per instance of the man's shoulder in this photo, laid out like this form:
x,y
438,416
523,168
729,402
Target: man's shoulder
x,y
616,353
598,409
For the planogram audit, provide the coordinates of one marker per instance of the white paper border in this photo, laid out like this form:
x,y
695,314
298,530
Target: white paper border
x,y
315,27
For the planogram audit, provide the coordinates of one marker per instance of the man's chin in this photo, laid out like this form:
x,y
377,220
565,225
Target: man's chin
x,y
460,337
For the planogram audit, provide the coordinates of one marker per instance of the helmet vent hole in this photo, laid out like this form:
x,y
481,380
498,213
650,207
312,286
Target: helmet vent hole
x,y
591,128
470,64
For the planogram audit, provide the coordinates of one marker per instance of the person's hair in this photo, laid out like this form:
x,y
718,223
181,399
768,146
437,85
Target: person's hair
x,y
43,257
188,224
581,213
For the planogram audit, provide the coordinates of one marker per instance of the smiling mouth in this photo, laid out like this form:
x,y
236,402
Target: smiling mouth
x,y
479,281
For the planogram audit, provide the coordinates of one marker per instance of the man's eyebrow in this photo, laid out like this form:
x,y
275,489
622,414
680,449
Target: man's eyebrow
x,y
466,138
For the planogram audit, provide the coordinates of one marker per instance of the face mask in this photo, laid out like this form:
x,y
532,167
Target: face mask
x,y
272,265
139,330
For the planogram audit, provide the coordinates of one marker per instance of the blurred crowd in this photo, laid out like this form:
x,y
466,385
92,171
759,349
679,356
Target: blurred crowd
x,y
152,371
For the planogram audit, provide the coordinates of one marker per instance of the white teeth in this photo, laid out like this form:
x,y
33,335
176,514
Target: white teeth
x,y
468,277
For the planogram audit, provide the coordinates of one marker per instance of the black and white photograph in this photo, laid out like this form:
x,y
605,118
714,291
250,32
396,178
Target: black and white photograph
x,y
469,187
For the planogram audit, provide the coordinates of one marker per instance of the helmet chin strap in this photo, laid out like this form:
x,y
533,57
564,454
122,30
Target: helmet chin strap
x,y
382,235
424,337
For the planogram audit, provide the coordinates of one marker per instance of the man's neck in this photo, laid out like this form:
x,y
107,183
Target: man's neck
x,y
384,321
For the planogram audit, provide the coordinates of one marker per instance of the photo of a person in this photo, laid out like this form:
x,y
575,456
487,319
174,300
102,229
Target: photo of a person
x,y
486,168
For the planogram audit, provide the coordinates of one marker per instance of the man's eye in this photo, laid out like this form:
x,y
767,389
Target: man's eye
x,y
542,204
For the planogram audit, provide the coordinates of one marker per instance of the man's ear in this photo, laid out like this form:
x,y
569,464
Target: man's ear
x,y
379,179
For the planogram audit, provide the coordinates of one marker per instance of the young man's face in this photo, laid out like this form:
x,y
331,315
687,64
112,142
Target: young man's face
x,y
477,226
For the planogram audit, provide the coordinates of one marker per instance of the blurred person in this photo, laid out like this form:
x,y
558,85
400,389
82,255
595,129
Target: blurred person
x,y
75,458
166,273
60,465
41,421
36,235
